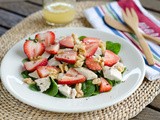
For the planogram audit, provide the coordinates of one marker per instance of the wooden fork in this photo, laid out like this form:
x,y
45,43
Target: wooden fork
x,y
131,18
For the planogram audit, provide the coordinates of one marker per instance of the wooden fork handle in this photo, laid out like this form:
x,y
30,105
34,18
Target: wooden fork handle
x,y
153,39
145,48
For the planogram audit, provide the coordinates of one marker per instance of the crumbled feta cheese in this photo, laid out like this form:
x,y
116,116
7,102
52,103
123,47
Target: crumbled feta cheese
x,y
98,52
87,73
43,83
65,90
34,74
53,62
73,93
60,75
112,73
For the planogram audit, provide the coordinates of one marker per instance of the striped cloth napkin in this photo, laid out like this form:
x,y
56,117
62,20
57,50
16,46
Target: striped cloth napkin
x,y
147,23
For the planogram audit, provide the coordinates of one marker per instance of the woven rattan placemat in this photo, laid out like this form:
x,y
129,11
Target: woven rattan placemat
x,y
12,109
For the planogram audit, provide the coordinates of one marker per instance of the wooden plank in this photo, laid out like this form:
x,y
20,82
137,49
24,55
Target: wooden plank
x,y
147,114
156,103
2,30
39,2
154,4
8,19
157,15
21,8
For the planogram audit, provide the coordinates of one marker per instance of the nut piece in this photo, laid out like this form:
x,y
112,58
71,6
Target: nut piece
x,y
80,94
80,61
28,81
75,38
99,59
63,67
102,46
80,48
79,91
96,81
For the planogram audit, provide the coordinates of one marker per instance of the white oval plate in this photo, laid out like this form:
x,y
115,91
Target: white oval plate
x,y
11,67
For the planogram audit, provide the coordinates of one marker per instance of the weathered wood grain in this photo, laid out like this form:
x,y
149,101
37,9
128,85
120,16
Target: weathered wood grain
x,y
151,4
21,8
148,114
39,2
8,19
156,103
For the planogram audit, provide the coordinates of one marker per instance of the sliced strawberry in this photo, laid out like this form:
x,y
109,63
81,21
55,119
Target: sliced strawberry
x,y
72,77
89,40
92,64
32,65
104,86
91,49
33,49
44,71
48,38
110,58
67,42
66,55
53,49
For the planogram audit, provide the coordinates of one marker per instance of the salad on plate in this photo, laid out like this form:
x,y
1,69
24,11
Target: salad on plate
x,y
71,66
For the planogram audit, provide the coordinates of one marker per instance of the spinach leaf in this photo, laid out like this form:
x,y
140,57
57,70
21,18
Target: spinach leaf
x,y
96,92
114,47
99,73
34,87
25,74
113,82
88,88
25,60
81,38
60,95
124,70
53,89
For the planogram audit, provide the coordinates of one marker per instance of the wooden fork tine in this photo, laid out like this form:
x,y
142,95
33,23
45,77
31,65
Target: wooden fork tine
x,y
134,13
123,14
128,12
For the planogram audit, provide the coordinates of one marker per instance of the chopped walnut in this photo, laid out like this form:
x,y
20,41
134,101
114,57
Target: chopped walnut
x,y
79,91
100,60
75,38
63,67
96,81
102,46
28,81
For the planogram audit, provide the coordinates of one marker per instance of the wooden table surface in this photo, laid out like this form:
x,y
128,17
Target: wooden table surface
x,y
13,11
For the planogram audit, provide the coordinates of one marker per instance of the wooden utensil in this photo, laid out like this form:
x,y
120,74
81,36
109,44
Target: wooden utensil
x,y
119,26
131,18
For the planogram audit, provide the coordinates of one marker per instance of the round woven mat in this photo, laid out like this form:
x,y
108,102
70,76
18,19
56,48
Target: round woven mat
x,y
12,109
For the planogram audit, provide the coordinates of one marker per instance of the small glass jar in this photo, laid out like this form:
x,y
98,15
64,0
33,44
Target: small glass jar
x,y
58,11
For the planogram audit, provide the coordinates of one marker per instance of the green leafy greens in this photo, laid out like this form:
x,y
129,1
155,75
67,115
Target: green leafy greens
x,y
114,47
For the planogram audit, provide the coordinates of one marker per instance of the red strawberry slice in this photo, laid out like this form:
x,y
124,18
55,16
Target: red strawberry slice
x,y
104,86
89,40
92,64
53,49
32,65
72,77
33,49
66,55
91,49
67,42
110,58
48,38
44,71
